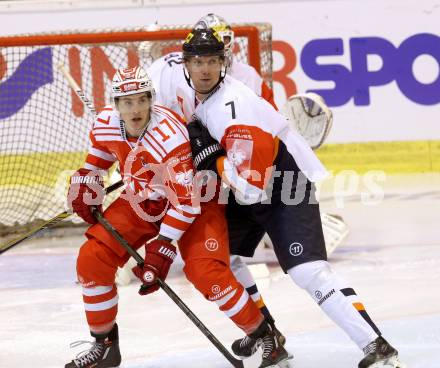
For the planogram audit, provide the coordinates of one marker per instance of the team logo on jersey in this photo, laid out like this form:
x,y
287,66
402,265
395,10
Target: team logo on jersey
x,y
185,178
211,244
239,153
296,249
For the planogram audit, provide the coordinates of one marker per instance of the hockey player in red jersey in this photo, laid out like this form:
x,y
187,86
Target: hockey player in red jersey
x,y
271,171
157,207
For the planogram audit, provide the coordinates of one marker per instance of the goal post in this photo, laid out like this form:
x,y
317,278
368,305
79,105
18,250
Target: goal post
x,y
44,126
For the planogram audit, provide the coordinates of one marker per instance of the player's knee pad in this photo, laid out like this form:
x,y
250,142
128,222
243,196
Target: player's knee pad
x,y
211,277
310,274
96,264
318,278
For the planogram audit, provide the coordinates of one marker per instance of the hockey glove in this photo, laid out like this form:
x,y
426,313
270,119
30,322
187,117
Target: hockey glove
x,y
205,149
159,255
86,190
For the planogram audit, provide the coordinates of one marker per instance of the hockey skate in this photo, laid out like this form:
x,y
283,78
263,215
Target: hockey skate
x,y
104,353
380,354
246,347
274,354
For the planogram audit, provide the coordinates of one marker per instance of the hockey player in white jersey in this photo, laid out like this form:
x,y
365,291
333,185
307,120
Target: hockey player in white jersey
x,y
271,171
167,71
168,76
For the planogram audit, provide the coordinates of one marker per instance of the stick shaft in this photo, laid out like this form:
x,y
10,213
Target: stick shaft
x,y
49,223
76,88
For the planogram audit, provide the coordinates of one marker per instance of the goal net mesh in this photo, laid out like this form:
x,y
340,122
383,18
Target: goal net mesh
x,y
44,126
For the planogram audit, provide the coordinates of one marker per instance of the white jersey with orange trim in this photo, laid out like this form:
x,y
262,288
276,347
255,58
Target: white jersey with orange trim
x,y
156,166
167,74
249,129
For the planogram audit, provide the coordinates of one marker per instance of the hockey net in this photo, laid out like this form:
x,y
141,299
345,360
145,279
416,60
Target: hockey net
x,y
43,124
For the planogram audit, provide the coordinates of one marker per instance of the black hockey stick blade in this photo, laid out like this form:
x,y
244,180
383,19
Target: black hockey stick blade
x,y
49,223
175,298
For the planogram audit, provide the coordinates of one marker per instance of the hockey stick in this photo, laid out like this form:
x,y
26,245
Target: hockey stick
x,y
49,223
189,313
310,117
76,88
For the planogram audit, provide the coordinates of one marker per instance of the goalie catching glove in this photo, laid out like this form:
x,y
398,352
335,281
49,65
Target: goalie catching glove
x,y
86,191
159,255
205,149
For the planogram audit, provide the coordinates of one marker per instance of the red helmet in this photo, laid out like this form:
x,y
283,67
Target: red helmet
x,y
130,81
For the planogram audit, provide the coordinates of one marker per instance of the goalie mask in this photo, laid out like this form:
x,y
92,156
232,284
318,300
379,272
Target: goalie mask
x,y
130,81
223,29
200,43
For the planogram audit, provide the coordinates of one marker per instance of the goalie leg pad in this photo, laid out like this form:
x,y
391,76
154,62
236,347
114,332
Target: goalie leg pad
x,y
336,299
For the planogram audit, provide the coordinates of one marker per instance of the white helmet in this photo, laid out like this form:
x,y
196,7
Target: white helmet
x,y
223,29
129,81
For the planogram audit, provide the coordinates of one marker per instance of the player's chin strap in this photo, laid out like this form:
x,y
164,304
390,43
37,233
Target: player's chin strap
x,y
213,89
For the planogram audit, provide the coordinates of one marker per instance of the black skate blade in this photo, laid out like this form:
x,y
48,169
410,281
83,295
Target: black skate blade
x,y
392,362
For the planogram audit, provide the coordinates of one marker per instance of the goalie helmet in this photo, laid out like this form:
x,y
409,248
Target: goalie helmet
x,y
223,29
129,81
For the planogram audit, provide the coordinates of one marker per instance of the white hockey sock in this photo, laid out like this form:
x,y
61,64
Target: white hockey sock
x,y
336,299
244,277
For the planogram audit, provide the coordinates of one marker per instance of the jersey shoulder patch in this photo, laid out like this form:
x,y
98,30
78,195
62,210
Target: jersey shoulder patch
x,y
107,125
107,118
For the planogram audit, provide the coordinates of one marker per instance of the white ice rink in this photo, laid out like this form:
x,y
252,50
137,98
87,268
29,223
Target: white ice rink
x,y
391,258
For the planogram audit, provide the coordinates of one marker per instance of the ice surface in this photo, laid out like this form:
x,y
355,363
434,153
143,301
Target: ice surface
x,y
391,258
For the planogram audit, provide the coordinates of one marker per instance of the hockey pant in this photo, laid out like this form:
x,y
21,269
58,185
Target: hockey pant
x,y
204,249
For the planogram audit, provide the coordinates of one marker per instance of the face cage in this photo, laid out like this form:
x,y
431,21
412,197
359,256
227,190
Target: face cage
x,y
223,32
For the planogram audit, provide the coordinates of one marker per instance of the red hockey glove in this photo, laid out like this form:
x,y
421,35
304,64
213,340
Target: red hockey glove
x,y
159,255
86,190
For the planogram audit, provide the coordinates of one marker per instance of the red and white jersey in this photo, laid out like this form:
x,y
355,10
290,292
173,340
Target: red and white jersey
x,y
167,75
249,129
156,166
